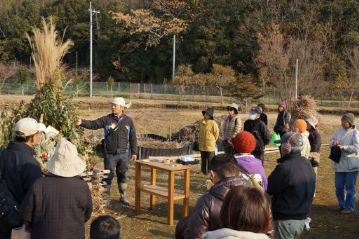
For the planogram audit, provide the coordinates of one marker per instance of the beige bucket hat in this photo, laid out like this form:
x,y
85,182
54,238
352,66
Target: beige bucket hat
x,y
66,162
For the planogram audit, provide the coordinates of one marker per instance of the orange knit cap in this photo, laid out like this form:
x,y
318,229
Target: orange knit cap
x,y
301,125
244,142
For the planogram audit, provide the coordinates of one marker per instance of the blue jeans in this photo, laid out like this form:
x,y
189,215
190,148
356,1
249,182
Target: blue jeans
x,y
345,189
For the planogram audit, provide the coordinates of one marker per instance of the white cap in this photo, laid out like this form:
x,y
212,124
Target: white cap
x,y
66,162
313,121
27,126
234,105
120,101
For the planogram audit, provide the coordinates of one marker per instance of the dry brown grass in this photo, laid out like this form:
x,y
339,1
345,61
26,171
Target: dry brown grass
x,y
48,50
327,222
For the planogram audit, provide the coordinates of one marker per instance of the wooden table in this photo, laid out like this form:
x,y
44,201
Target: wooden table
x,y
168,192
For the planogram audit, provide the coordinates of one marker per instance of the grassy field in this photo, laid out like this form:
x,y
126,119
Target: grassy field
x,y
327,221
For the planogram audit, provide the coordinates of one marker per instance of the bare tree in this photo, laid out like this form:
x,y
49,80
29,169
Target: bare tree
x,y
273,61
353,72
160,19
311,60
7,71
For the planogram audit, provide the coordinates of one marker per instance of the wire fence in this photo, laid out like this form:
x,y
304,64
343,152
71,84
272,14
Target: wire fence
x,y
170,92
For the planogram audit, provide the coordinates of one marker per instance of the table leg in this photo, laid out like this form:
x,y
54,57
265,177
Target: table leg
x,y
138,187
171,189
153,182
186,193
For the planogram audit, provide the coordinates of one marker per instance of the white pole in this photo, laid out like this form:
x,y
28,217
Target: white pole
x,y
174,59
296,79
90,50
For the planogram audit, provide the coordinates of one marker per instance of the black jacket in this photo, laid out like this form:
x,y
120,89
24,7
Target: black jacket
x,y
120,133
282,122
19,169
264,118
292,185
260,132
57,208
315,140
206,215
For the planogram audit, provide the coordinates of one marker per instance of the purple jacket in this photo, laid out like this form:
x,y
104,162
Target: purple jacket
x,y
252,165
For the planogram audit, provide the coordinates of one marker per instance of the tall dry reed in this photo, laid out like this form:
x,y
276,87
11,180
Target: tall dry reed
x,y
48,50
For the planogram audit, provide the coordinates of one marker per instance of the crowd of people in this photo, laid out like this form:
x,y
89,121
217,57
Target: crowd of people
x,y
241,203
238,175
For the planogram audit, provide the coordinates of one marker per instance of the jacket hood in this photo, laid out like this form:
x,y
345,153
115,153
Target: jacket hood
x,y
220,189
226,233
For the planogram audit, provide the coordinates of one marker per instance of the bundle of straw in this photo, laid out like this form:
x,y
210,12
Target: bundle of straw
x,y
304,107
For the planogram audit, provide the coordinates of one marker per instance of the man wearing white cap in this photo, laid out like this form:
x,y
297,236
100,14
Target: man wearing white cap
x,y
231,126
18,166
120,143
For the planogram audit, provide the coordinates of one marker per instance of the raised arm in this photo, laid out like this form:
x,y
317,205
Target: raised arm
x,y
93,124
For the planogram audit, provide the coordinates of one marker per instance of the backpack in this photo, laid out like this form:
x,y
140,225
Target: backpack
x,y
254,179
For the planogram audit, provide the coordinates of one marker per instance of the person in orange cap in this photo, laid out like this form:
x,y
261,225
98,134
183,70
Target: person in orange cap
x,y
300,126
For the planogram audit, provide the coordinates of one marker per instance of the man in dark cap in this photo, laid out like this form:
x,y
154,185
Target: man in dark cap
x,y
260,131
292,185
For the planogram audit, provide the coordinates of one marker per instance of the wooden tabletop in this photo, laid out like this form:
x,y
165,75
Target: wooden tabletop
x,y
169,167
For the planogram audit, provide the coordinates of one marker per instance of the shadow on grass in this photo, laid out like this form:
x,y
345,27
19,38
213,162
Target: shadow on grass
x,y
328,222
156,215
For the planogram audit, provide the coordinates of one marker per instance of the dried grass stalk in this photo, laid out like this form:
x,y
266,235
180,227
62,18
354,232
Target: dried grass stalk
x,y
304,107
48,51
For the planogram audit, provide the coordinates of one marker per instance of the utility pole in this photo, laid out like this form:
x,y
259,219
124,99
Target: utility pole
x,y
174,59
296,79
92,11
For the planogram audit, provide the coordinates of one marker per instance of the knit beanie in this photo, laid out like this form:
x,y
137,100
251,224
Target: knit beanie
x,y
301,125
244,142
349,117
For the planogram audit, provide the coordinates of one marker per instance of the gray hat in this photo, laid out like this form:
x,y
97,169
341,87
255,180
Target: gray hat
x,y
349,117
209,112
256,110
